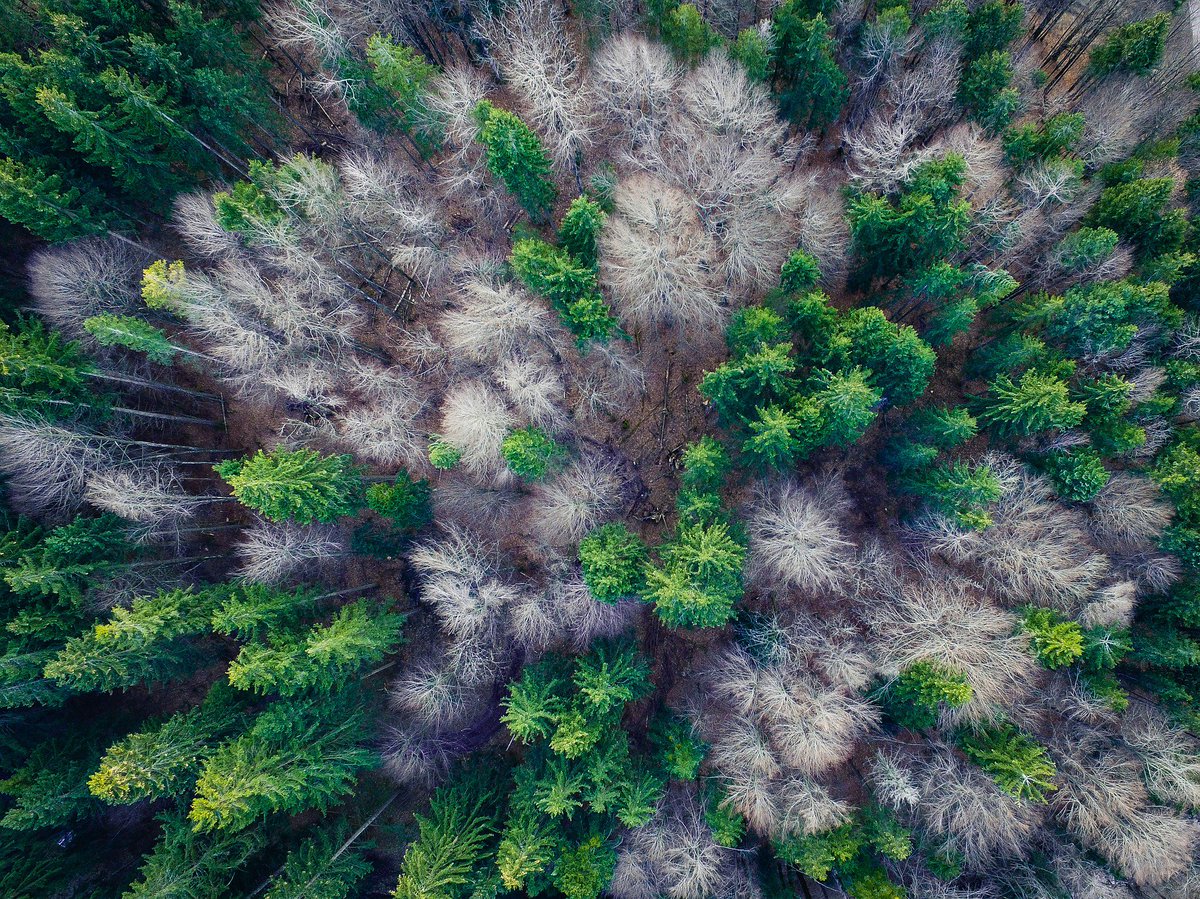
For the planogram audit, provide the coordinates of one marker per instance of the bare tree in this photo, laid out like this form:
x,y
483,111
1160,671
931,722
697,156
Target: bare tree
x,y
795,537
475,420
74,281
635,82
272,552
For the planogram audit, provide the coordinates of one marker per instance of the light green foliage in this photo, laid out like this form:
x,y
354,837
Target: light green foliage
x,y
1136,47
405,502
442,455
531,453
754,329
569,284
1104,317
1037,402
162,760
314,870
847,402
753,50
190,865
298,485
405,74
1017,762
248,611
583,871
811,87
1085,248
900,362
323,659
1038,142
946,427
922,225
962,490
700,578
612,560
1078,474
914,698
133,334
517,158
138,644
162,283
299,754
249,207
1057,642
706,464
728,827
687,34
579,229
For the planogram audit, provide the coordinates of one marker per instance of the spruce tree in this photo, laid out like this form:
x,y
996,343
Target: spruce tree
x,y
297,485
1037,402
517,158
811,87
612,560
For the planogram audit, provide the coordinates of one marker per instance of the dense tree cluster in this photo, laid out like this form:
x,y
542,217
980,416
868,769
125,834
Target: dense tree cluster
x,y
631,449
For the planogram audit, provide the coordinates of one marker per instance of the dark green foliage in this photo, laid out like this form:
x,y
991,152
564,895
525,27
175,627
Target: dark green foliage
x,y
847,401
706,464
105,107
405,502
1017,762
900,362
37,366
1078,474
579,228
517,158
1135,210
190,865
810,85
298,485
852,851
799,274
1136,47
914,698
992,26
682,750
568,283
985,93
922,225
961,490
315,870
1046,140
50,788
1086,248
728,827
613,560
299,754
531,453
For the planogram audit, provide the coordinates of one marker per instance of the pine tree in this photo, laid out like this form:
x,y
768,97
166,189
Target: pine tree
x,y
517,158
811,87
754,52
297,485
299,754
1136,47
706,464
39,202
687,34
1078,474
190,865
49,789
250,611
961,490
900,362
612,560
37,365
322,660
847,401
139,644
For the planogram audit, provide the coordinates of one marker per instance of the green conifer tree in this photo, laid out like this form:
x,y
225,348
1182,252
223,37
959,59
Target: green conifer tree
x,y
299,485
517,158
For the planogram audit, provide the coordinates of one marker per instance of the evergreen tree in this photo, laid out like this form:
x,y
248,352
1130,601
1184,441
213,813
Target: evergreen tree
x,y
38,370
319,869
579,228
517,158
706,464
49,789
531,453
298,485
299,754
914,699
1057,642
1136,47
1017,762
756,54
322,660
847,402
404,74
811,87
249,611
567,281
405,502
961,490
901,364
700,578
1135,210
133,334
1037,402
162,760
190,865
612,560
1078,474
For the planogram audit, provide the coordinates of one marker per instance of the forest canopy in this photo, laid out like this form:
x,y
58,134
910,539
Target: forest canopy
x,y
652,450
